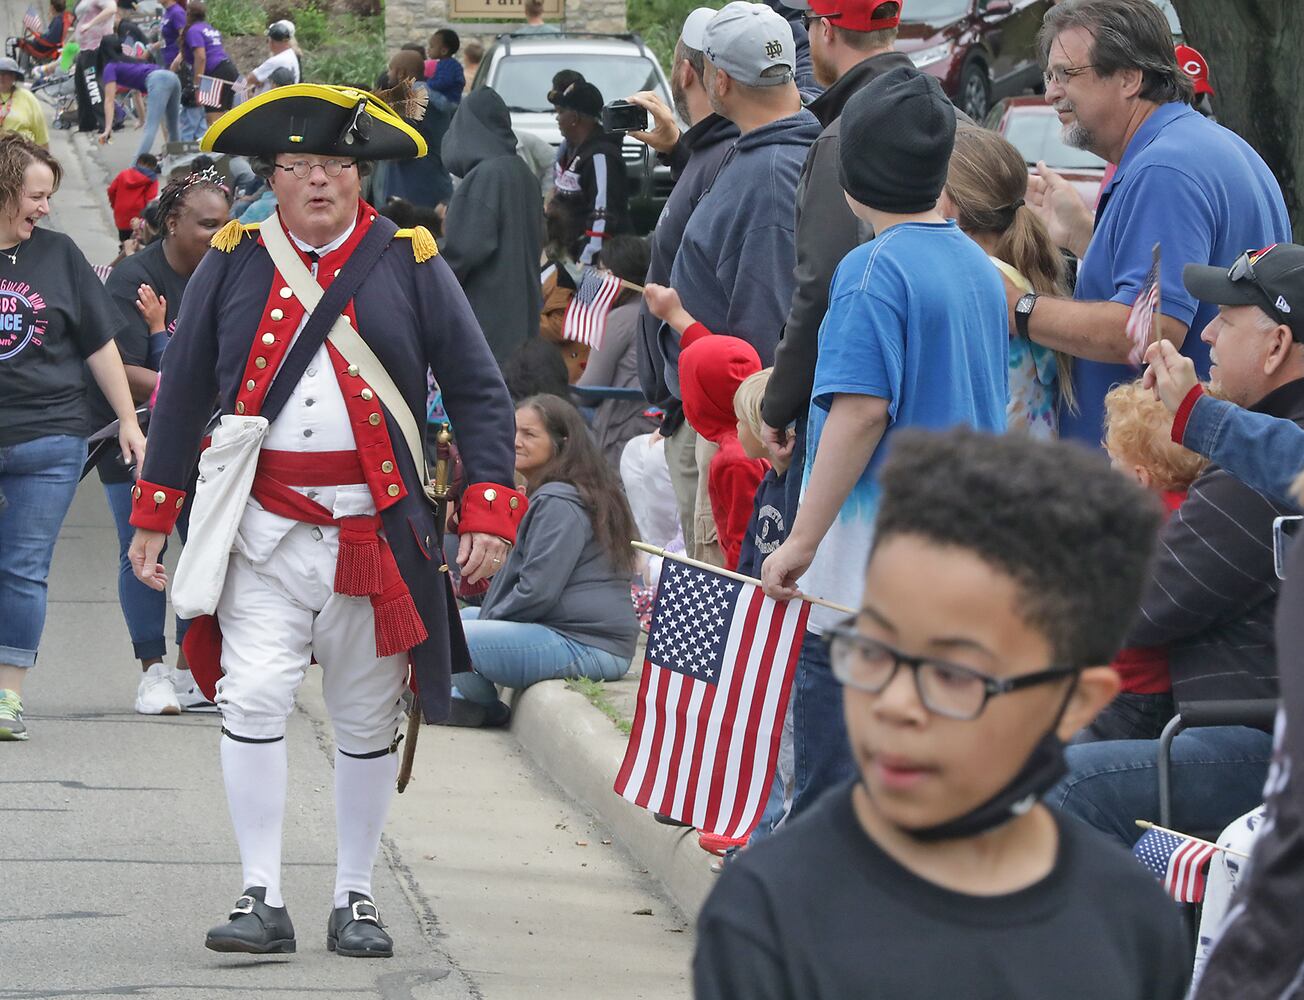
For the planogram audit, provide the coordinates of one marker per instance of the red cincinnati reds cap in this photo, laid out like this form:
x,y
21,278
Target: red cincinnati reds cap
x,y
1196,67
854,15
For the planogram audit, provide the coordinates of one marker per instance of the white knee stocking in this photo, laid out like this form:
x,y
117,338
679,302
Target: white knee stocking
x,y
255,776
363,790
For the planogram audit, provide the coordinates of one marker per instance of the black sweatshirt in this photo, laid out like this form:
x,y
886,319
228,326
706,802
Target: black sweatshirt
x,y
819,912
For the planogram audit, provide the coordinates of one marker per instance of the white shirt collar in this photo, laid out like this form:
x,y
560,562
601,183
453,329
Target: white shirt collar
x,y
334,244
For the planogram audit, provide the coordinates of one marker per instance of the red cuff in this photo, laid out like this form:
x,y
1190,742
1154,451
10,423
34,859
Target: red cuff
x,y
692,335
154,507
1183,413
493,509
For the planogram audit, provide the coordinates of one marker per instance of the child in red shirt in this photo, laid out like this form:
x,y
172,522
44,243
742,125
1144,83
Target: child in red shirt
x,y
1137,437
131,191
711,368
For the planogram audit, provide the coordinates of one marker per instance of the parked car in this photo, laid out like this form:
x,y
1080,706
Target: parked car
x,y
520,69
980,50
1033,128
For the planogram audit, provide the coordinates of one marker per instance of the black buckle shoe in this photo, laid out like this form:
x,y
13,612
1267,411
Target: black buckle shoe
x,y
254,928
355,931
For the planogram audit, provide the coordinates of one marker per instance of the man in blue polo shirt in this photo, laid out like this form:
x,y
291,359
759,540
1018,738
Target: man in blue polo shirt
x,y
1190,185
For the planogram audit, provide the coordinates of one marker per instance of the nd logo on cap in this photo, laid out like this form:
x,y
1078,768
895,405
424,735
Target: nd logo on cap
x,y
773,49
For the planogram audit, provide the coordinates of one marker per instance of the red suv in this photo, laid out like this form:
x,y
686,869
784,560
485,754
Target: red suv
x,y
980,50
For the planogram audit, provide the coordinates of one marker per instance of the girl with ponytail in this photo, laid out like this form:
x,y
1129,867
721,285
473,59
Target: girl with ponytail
x,y
986,183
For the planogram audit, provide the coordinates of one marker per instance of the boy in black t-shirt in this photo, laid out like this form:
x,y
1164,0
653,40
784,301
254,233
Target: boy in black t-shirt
x,y
1002,577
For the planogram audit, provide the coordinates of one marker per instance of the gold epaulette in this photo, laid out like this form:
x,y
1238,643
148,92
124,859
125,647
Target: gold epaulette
x,y
423,242
229,236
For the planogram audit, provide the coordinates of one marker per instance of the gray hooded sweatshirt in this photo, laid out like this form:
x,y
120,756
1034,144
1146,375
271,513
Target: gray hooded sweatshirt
x,y
559,575
493,232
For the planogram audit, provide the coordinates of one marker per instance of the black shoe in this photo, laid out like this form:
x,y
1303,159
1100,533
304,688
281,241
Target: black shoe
x,y
473,715
254,927
355,931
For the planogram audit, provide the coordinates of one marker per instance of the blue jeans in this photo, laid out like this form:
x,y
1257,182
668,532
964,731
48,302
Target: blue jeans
x,y
518,654
162,103
1218,774
37,480
821,753
193,123
144,608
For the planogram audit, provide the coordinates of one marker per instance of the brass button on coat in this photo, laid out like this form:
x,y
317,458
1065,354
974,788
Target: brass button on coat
x,y
285,293
513,503
269,339
353,370
260,362
251,385
135,492
386,466
392,491
159,496
239,407
491,495
367,394
374,419
278,314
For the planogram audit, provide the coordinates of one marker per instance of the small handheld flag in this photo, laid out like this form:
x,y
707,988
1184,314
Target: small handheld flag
x,y
1141,323
586,314
1181,863
32,21
209,91
716,679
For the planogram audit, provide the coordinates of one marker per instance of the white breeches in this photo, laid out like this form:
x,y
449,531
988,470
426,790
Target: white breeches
x,y
276,616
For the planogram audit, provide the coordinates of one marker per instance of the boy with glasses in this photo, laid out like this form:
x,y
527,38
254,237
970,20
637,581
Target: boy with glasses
x,y
982,641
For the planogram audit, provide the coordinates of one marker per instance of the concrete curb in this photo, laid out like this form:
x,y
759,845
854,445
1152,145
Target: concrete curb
x,y
579,748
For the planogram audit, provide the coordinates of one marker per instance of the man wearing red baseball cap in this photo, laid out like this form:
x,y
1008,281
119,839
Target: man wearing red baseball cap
x,y
851,43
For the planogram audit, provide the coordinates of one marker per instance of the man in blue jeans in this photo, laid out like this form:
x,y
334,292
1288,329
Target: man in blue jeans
x,y
1213,590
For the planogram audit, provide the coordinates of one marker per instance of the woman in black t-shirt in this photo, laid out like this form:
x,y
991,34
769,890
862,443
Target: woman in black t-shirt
x,y
54,315
147,289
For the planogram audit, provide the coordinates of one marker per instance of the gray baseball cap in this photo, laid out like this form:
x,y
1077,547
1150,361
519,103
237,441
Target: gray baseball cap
x,y
695,27
746,39
7,65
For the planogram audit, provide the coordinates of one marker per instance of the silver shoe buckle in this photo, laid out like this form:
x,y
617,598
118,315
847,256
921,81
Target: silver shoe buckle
x,y
243,905
360,914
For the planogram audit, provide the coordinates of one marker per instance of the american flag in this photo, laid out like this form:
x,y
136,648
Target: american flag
x,y
1181,863
209,91
586,315
719,666
1141,320
32,21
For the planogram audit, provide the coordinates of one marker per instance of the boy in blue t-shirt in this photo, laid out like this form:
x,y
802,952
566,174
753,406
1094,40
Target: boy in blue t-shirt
x,y
915,335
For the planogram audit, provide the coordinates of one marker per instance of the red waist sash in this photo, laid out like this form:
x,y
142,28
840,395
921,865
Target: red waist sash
x,y
366,566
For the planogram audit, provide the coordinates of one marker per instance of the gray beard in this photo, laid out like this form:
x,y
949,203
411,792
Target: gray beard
x,y
1075,134
680,103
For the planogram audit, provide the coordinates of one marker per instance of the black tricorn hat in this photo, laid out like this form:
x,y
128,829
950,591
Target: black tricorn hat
x,y
315,118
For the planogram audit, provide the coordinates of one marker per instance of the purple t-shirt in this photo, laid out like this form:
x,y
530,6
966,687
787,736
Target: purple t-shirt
x,y
174,23
203,35
131,76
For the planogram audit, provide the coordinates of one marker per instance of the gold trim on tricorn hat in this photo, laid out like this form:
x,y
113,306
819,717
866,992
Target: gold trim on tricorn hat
x,y
315,118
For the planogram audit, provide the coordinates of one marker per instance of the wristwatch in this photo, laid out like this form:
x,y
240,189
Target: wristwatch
x,y
1022,310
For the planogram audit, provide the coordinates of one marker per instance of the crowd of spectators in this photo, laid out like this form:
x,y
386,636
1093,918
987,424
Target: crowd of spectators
x,y
882,364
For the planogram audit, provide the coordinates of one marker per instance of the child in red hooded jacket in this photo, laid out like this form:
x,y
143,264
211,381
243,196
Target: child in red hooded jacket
x,y
711,368
131,191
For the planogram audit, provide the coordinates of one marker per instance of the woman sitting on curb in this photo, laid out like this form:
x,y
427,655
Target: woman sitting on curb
x,y
560,605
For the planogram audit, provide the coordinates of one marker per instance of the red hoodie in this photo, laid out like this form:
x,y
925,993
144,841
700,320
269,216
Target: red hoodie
x,y
129,193
710,370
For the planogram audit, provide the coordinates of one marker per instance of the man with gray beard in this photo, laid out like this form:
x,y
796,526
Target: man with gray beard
x,y
1183,182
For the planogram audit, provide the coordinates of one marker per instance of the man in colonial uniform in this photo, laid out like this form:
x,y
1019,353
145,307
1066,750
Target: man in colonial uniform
x,y
328,550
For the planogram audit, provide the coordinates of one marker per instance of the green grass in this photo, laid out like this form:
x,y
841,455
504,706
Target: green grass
x,y
597,695
340,48
659,21
238,17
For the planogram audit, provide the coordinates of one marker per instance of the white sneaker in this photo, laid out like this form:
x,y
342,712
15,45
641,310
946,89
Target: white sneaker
x,y
189,697
155,695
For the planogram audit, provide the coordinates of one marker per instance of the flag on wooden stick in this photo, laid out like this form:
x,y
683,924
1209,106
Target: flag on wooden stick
x,y
586,314
32,21
716,679
1181,863
209,92
1142,321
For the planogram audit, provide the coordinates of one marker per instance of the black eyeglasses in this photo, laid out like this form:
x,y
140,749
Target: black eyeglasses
x,y
811,17
945,689
1243,270
302,169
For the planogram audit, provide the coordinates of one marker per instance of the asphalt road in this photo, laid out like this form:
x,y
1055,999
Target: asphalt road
x,y
116,852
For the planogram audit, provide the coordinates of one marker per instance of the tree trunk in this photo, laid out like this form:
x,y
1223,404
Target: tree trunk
x,y
1258,75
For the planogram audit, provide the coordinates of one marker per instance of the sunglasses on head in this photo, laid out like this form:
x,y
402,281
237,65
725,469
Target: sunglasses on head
x,y
1243,270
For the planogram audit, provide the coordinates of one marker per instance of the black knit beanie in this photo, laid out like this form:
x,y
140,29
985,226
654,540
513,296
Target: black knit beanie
x,y
896,139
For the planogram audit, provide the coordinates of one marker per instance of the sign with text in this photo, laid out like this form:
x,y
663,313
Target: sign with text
x,y
462,9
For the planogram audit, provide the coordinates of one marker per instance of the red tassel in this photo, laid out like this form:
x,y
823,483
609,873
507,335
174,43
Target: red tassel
x,y
398,625
357,569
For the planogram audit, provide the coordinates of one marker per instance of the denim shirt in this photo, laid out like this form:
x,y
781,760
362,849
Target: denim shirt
x,y
1262,451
